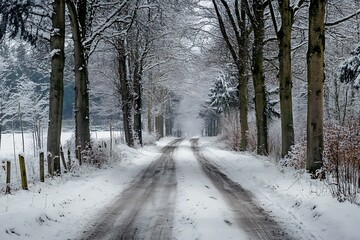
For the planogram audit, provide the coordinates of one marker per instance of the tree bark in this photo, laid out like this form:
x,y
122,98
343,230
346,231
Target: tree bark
x,y
243,80
125,93
82,121
169,118
138,108
56,85
316,77
149,116
159,124
138,70
259,78
285,77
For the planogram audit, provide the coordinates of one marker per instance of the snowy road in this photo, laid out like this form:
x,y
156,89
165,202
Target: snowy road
x,y
249,217
152,207
145,209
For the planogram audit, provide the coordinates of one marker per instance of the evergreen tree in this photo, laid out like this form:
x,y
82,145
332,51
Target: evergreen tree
x,y
350,69
223,95
13,18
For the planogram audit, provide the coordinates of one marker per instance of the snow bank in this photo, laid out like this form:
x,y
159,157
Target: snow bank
x,y
295,200
62,206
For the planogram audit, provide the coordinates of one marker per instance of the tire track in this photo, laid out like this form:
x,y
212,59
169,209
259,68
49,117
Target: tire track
x,y
250,217
145,209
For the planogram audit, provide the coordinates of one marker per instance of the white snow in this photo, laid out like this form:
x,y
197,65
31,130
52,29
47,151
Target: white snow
x,y
62,206
200,212
301,204
55,52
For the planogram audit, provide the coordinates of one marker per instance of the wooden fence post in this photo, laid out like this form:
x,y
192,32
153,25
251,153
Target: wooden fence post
x,y
24,184
111,139
8,172
69,159
79,155
63,158
50,161
42,171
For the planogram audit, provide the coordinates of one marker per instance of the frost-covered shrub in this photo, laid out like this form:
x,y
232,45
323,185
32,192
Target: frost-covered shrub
x,y
296,158
342,160
231,134
98,154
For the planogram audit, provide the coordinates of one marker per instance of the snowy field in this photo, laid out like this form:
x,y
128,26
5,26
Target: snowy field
x,y
62,206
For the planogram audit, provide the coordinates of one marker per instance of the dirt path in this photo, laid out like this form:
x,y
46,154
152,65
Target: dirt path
x,y
145,209
251,218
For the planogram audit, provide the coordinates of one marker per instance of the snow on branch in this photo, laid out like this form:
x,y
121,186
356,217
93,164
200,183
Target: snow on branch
x,y
350,69
330,24
108,22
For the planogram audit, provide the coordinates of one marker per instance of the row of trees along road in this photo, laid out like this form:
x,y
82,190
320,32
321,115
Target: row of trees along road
x,y
135,29
244,24
138,54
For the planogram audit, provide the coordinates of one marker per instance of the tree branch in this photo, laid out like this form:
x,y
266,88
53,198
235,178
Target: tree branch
x,y
273,18
224,33
330,24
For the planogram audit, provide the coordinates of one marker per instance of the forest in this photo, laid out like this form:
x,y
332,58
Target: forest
x,y
276,78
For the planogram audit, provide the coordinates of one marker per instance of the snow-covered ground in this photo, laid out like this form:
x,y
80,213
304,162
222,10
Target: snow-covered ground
x,y
61,207
201,212
294,198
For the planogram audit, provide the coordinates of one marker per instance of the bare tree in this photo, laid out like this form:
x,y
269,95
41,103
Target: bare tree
x,y
283,35
56,86
238,50
256,16
316,77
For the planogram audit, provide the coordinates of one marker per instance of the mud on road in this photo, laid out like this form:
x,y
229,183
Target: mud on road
x,y
145,209
251,218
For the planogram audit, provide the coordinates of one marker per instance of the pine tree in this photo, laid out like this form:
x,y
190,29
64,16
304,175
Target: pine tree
x,y
223,95
350,69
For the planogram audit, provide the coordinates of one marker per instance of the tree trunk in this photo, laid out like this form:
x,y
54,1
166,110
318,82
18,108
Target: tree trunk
x,y
316,77
82,121
243,81
149,116
169,119
125,93
259,79
237,19
285,77
56,84
159,124
138,98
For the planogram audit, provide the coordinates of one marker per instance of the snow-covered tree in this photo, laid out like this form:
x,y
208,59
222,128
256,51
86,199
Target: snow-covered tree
x,y
223,95
350,69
